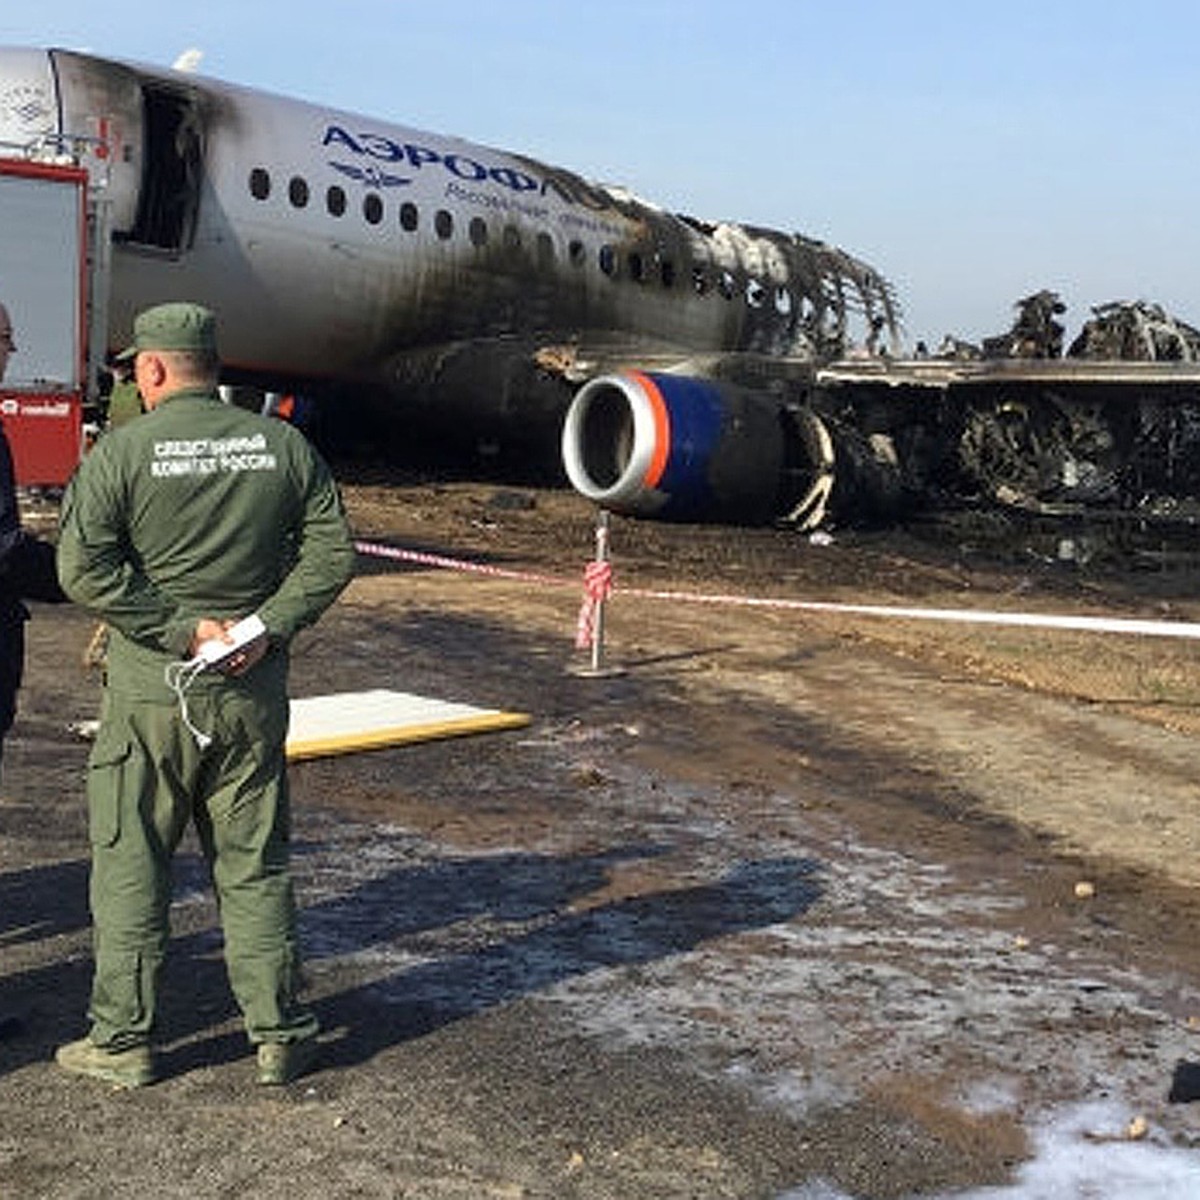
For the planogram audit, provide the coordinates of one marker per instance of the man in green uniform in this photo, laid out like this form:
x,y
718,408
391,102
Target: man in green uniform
x,y
174,527
124,400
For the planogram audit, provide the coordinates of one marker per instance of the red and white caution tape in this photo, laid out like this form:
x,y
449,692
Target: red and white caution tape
x,y
396,553
598,585
969,616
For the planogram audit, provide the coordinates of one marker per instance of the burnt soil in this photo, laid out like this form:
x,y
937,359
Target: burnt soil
x,y
787,896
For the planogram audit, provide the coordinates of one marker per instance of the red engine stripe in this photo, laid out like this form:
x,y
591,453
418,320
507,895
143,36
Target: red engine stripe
x,y
662,429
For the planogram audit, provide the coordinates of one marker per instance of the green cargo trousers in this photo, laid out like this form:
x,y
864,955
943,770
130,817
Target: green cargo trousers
x,y
147,778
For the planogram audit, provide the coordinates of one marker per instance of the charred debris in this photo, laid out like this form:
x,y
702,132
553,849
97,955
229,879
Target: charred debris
x,y
1107,429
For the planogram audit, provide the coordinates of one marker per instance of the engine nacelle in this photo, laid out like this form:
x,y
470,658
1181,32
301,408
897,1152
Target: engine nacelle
x,y
686,449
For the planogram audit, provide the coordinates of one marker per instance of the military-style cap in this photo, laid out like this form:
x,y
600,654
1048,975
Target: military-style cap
x,y
178,326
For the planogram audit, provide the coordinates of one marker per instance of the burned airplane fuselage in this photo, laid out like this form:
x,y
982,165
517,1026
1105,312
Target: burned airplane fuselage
x,y
475,287
680,368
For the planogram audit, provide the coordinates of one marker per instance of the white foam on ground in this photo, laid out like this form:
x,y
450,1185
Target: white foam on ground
x,y
870,963
1081,1154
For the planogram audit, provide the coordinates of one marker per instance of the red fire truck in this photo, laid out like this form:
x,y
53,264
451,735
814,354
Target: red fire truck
x,y
49,282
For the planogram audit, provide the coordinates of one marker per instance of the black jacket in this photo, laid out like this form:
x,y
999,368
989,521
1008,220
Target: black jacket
x,y
27,569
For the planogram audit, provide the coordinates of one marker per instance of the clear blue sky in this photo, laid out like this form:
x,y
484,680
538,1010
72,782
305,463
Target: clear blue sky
x,y
972,151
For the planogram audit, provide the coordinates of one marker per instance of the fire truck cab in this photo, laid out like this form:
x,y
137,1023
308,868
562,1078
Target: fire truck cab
x,y
47,284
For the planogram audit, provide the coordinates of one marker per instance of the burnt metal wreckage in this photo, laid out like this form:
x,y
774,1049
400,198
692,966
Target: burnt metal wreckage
x,y
835,431
807,414
1107,431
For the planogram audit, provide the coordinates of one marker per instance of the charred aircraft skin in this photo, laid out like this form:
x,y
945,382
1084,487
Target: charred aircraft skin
x,y
406,238
673,367
861,443
1112,425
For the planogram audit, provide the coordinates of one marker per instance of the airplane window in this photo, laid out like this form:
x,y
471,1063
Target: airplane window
x,y
755,293
443,223
512,238
260,183
666,271
637,268
298,192
335,201
783,301
372,208
478,231
576,253
545,249
408,216
608,260
727,285
701,283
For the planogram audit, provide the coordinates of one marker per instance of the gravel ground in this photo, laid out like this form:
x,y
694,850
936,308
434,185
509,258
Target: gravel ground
x,y
794,904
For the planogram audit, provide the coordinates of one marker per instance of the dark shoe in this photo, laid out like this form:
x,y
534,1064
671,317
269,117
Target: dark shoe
x,y
281,1062
122,1068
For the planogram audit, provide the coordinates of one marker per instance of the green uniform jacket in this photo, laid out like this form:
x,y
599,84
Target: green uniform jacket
x,y
199,509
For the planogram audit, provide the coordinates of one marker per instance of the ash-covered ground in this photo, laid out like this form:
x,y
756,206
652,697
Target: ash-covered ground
x,y
796,904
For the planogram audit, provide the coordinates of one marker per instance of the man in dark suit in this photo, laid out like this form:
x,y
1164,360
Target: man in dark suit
x,y
26,570
26,566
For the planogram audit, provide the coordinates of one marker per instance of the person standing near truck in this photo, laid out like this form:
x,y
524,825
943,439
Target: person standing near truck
x,y
26,566
26,572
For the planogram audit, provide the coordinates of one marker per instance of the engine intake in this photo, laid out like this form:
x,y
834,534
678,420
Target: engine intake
x,y
679,448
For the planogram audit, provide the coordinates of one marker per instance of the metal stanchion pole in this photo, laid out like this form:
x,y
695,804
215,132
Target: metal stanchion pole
x,y
602,557
596,667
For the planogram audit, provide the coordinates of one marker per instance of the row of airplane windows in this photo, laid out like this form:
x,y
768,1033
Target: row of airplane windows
x,y
639,267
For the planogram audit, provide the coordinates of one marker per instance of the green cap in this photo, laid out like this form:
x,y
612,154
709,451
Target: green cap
x,y
177,326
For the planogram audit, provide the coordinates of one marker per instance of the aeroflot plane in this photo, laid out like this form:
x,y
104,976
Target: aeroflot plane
x,y
342,252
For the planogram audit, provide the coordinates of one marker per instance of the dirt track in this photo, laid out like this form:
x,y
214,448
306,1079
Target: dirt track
x,y
792,899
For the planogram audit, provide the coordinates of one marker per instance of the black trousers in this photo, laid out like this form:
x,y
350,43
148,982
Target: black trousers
x,y
12,661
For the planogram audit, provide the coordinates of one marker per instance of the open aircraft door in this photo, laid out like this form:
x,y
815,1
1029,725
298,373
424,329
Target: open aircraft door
x,y
43,284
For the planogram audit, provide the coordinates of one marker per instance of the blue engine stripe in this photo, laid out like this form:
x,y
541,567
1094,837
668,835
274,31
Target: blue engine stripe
x,y
695,413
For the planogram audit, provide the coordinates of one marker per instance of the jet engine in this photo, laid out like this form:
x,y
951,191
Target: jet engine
x,y
679,448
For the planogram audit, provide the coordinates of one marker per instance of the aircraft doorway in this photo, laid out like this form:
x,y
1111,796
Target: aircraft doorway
x,y
173,156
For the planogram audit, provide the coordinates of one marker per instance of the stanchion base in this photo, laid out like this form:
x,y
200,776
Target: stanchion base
x,y
587,671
